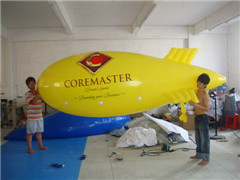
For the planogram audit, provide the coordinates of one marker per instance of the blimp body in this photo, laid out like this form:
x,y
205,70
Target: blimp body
x,y
104,84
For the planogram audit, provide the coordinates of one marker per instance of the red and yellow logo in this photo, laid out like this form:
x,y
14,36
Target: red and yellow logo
x,y
94,62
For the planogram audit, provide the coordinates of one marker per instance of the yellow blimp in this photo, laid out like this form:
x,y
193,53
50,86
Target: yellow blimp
x,y
104,84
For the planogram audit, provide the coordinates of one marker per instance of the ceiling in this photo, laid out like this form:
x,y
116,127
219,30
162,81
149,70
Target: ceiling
x,y
73,14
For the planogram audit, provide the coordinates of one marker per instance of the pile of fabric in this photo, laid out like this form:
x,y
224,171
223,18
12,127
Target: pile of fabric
x,y
150,131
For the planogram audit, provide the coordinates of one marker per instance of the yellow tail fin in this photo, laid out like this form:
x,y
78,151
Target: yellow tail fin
x,y
181,55
183,96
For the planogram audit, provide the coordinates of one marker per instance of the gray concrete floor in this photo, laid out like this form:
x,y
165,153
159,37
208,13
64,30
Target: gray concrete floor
x,y
224,163
4,132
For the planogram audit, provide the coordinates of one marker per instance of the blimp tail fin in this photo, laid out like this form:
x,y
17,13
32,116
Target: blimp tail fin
x,y
183,96
181,55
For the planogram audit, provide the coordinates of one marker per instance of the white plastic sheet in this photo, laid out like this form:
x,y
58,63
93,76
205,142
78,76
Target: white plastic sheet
x,y
169,127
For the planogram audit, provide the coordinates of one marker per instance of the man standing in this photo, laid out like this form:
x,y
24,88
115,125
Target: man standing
x,y
34,115
202,121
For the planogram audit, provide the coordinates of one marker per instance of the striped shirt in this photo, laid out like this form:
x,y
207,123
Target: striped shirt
x,y
34,111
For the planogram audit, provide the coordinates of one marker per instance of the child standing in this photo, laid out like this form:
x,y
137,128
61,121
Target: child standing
x,y
34,115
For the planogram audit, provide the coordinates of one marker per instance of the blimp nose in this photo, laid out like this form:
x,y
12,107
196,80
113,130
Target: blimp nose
x,y
216,80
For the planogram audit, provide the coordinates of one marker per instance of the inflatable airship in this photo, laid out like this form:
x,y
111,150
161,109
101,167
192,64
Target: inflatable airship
x,y
105,84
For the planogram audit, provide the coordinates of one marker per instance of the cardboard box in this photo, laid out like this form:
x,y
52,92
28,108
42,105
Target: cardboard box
x,y
136,115
190,124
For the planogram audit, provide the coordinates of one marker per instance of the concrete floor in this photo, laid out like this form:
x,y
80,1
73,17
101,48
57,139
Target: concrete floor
x,y
4,132
224,163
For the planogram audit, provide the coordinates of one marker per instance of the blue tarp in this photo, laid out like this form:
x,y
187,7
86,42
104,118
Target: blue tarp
x,y
17,164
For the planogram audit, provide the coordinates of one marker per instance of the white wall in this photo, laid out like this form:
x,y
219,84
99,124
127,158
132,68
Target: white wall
x,y
3,65
234,56
212,52
6,83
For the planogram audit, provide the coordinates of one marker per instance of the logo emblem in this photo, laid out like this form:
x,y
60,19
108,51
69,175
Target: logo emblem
x,y
94,62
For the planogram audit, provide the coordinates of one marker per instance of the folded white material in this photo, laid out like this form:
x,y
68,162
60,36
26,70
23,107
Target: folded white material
x,y
138,137
169,127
